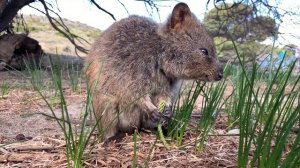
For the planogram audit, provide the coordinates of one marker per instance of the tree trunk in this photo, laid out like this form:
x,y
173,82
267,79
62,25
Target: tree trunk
x,y
9,9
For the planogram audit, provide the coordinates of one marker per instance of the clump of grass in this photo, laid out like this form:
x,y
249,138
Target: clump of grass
x,y
212,102
4,89
179,122
266,119
259,106
74,74
54,101
213,95
76,140
36,74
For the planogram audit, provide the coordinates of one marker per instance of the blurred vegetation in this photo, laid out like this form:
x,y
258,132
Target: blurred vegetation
x,y
241,23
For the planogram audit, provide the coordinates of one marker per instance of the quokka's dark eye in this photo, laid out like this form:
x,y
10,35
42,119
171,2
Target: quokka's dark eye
x,y
204,51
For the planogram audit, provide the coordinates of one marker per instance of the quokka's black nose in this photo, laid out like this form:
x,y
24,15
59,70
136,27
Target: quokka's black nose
x,y
220,74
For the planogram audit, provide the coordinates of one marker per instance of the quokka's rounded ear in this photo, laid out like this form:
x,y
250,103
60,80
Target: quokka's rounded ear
x,y
181,14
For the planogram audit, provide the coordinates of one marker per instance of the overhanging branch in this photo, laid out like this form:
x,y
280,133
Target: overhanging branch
x,y
99,7
64,29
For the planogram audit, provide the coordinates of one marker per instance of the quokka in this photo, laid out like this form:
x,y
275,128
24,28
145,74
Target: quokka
x,y
136,63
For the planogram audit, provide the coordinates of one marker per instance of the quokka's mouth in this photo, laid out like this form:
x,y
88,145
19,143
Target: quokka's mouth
x,y
209,78
219,76
205,79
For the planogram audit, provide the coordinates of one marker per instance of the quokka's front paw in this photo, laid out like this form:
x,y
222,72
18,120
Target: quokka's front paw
x,y
151,120
167,113
166,116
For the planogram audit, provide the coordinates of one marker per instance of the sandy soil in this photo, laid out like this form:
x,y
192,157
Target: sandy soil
x,y
20,109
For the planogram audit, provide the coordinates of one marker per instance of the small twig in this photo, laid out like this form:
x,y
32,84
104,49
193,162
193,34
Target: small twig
x,y
99,7
28,148
223,135
3,151
124,7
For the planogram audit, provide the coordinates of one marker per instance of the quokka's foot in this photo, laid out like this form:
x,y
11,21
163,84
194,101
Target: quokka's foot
x,y
117,138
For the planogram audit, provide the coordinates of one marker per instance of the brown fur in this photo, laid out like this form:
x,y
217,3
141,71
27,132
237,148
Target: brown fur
x,y
136,62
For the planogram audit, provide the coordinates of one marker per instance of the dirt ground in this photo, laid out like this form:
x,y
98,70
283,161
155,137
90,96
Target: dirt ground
x,y
29,139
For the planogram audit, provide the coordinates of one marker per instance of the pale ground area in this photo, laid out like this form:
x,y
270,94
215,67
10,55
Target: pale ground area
x,y
19,109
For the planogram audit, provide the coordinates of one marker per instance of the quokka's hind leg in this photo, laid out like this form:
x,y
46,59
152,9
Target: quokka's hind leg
x,y
107,114
129,118
109,124
141,114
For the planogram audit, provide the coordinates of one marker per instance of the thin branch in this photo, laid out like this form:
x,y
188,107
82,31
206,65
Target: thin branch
x,y
65,27
99,7
124,7
152,6
65,31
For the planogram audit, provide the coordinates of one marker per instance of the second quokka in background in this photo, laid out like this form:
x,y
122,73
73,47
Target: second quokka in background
x,y
137,62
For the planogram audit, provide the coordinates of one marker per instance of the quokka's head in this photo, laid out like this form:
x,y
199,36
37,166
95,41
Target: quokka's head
x,y
190,51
